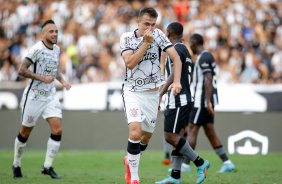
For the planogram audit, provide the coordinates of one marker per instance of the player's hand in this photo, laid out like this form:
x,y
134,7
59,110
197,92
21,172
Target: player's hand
x,y
176,88
67,86
148,36
48,79
210,108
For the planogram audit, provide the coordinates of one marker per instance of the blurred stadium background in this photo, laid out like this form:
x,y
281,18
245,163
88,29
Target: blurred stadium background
x,y
245,38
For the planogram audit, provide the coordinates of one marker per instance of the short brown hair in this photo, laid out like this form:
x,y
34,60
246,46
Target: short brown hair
x,y
148,10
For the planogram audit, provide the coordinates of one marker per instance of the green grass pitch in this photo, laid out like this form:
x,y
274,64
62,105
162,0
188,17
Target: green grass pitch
x,y
106,167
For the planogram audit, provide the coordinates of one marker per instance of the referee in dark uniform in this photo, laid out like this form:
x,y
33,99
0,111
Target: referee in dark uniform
x,y
178,109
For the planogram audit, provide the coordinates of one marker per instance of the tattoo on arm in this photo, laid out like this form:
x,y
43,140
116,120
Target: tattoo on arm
x,y
59,77
25,72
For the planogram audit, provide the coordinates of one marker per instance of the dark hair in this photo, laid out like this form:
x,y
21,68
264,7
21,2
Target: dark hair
x,y
148,10
47,22
176,28
198,39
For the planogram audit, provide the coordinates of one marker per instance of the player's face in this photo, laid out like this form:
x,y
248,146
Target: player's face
x,y
145,23
50,33
193,46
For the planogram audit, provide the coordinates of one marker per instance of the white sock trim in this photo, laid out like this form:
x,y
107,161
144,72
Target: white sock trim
x,y
133,141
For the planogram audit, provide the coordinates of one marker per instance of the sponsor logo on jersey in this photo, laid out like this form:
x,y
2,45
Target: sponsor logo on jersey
x,y
140,82
134,112
30,119
50,69
204,64
149,56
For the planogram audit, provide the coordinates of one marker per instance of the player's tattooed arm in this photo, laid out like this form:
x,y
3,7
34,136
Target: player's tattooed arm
x,y
25,72
60,78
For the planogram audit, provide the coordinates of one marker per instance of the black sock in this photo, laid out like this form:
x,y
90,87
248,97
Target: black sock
x,y
175,174
21,138
143,147
56,137
199,161
133,148
167,155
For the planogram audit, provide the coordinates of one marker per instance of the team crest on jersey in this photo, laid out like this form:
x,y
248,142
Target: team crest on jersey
x,y
30,119
134,112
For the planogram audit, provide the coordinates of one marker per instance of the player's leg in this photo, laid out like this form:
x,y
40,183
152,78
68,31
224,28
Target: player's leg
x,y
20,144
53,114
133,115
31,110
133,150
195,121
192,140
185,167
227,165
167,149
173,130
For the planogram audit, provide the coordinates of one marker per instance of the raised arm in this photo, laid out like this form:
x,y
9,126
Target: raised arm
x,y
177,66
25,72
130,58
208,89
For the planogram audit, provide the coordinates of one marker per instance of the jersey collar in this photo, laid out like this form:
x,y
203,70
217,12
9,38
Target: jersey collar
x,y
46,46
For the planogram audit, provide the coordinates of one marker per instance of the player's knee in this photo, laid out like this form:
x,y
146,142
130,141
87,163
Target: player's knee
x,y
135,135
58,131
170,138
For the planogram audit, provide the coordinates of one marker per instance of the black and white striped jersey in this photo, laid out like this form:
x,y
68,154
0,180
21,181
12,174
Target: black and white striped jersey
x,y
205,63
147,73
181,99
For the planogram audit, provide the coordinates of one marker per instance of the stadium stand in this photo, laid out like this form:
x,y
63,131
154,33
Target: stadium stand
x,y
245,37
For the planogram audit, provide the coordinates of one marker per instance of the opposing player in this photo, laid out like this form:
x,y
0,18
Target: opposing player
x,y
204,83
39,97
140,51
178,109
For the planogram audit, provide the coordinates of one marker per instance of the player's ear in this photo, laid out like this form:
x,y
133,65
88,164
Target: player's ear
x,y
168,33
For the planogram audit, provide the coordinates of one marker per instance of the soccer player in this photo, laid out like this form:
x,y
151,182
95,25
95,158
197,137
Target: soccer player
x,y
178,109
141,51
205,98
39,97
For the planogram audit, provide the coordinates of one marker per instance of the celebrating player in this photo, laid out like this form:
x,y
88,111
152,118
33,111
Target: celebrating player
x,y
39,97
141,53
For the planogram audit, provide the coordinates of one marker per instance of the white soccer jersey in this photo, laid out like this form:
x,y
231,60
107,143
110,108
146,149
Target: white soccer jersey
x,y
45,62
147,73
